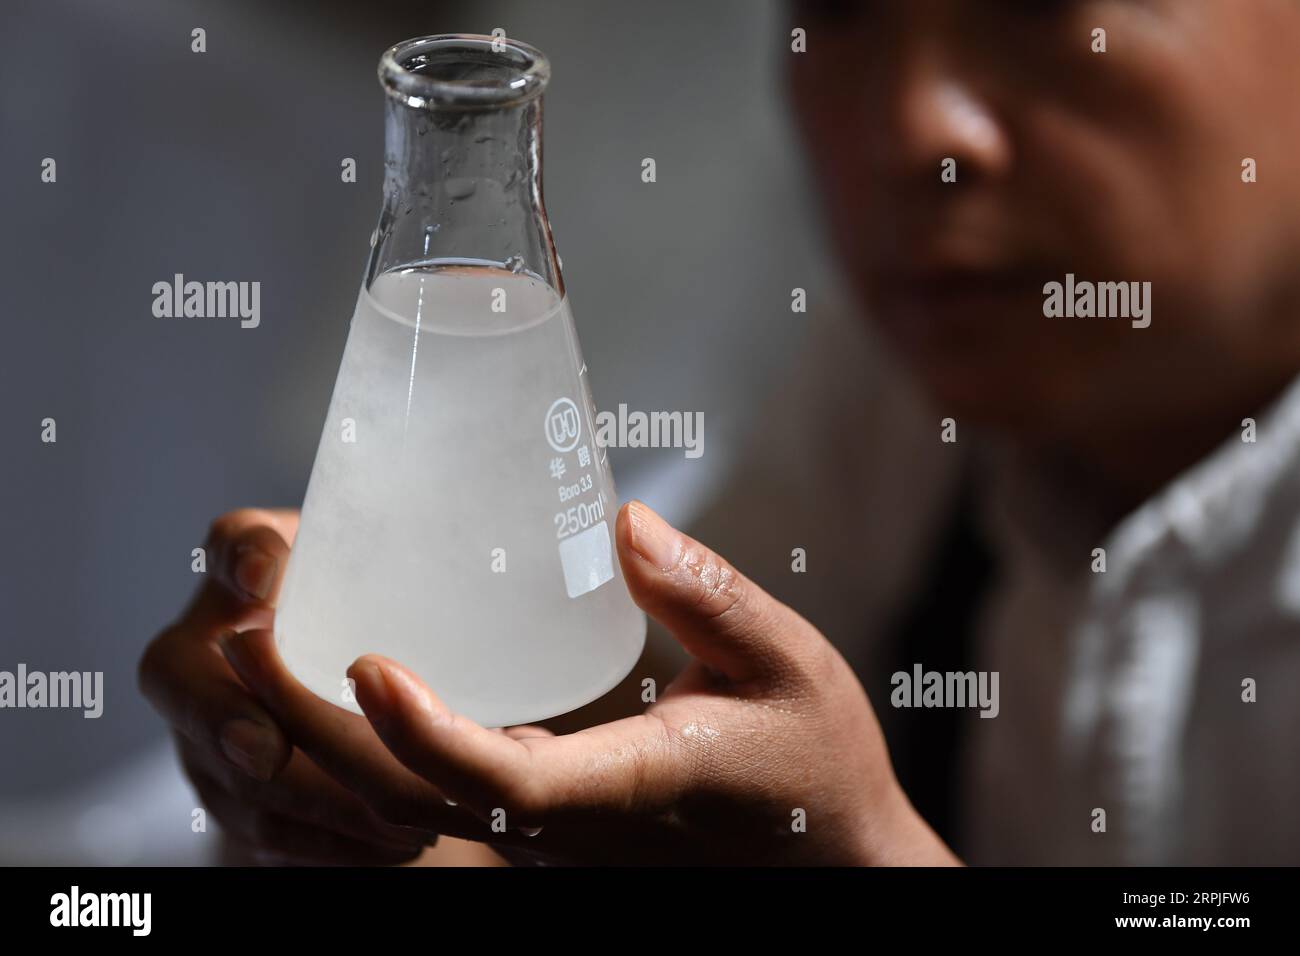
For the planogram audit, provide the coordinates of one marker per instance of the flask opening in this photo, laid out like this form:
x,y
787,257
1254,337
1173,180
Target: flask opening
x,y
463,71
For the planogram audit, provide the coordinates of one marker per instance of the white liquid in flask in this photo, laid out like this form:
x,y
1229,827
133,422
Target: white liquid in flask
x,y
462,521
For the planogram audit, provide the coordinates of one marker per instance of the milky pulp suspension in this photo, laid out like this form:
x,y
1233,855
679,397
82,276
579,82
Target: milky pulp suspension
x,y
460,516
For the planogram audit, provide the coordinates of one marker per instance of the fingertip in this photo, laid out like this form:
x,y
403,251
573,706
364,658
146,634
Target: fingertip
x,y
370,660
370,687
647,536
622,518
392,688
623,528
407,688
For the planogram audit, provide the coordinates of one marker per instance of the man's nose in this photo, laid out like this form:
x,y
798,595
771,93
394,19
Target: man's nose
x,y
937,110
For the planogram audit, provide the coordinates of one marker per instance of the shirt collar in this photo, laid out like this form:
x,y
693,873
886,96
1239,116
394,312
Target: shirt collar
x,y
1205,515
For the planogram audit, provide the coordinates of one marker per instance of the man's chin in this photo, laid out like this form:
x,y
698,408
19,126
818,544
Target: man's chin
x,y
987,391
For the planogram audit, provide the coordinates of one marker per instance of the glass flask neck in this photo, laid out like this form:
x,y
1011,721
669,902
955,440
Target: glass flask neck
x,y
463,159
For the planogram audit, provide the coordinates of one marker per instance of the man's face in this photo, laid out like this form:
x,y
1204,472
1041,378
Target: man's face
x,y
1122,166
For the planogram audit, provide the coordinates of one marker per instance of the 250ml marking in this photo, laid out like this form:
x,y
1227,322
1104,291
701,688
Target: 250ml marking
x,y
580,517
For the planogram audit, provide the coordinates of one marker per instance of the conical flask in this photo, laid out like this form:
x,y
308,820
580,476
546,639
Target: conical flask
x,y
459,516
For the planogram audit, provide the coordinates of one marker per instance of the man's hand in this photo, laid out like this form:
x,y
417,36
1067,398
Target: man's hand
x,y
264,792
764,750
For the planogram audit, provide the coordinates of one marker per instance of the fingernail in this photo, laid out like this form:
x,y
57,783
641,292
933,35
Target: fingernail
x,y
652,537
530,831
255,571
376,693
250,746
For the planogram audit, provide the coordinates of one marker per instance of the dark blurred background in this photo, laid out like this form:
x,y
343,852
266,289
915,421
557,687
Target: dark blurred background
x,y
225,165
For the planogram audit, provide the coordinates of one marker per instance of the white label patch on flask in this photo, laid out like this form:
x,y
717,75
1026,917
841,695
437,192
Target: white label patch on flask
x,y
587,560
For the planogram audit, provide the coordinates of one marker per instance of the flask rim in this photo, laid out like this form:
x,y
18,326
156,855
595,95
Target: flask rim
x,y
523,71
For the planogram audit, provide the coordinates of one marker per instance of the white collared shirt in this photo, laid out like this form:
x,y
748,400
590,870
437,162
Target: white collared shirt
x,y
1129,691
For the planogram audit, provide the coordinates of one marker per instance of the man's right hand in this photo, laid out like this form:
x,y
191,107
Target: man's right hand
x,y
264,792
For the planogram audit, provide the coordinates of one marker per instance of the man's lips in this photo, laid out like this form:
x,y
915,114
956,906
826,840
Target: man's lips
x,y
920,304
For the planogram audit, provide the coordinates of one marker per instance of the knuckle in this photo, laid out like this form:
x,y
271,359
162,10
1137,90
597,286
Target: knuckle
x,y
224,526
827,661
719,590
644,782
155,663
227,528
690,749
804,670
812,657
146,670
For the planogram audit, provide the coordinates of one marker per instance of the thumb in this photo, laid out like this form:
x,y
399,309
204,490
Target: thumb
x,y
719,616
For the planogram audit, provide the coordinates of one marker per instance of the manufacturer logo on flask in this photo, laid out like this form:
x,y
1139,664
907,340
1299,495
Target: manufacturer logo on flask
x,y
563,426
